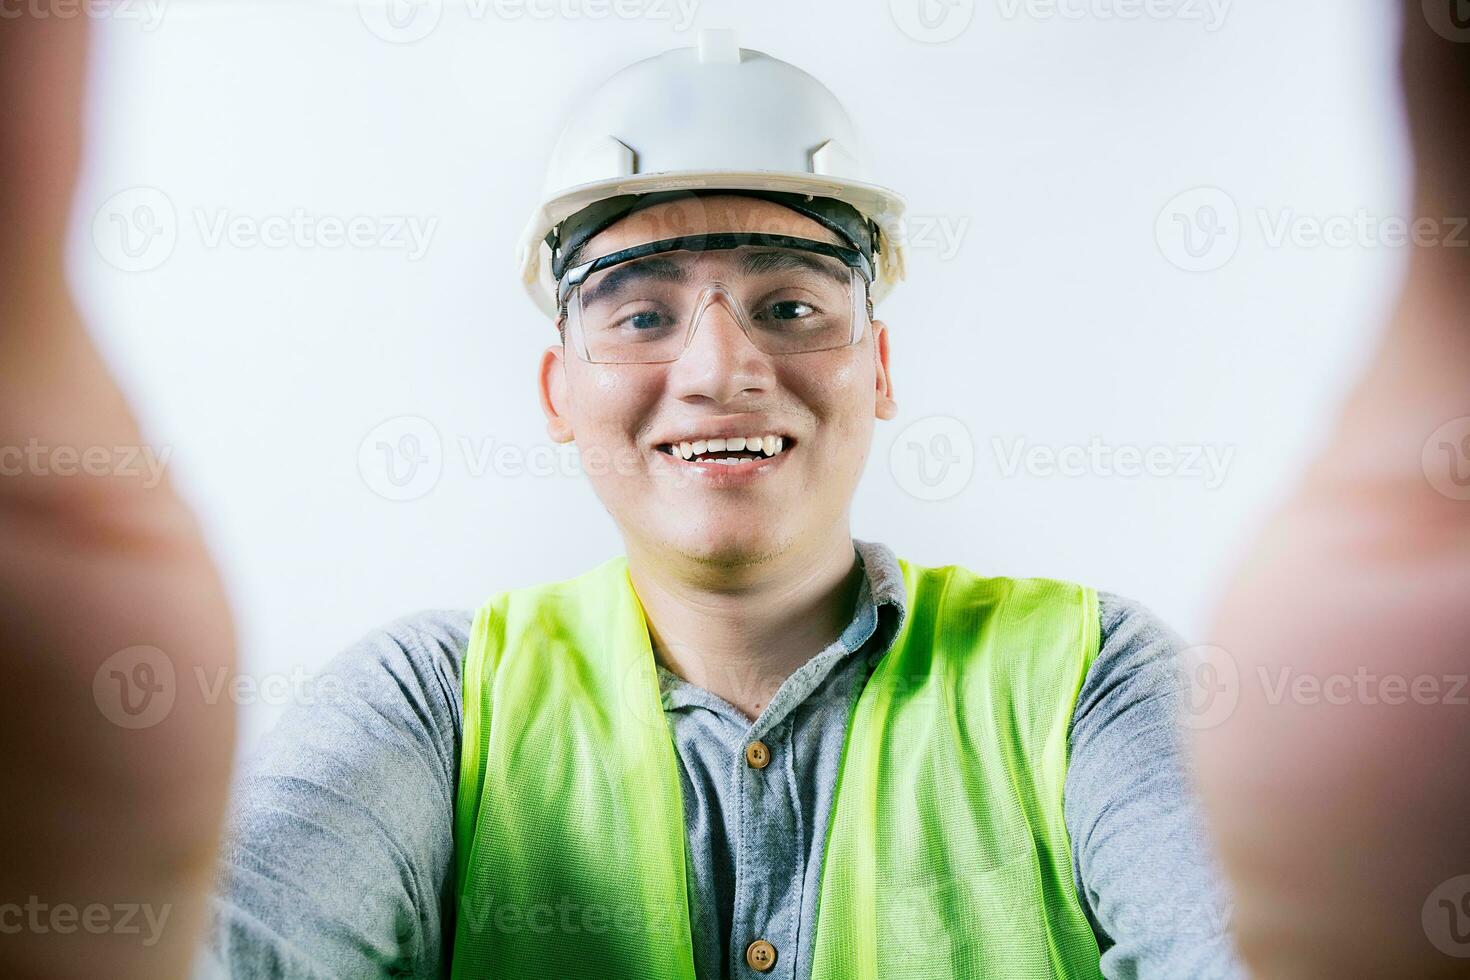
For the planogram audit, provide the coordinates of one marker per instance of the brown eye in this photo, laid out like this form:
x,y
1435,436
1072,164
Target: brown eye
x,y
790,309
647,320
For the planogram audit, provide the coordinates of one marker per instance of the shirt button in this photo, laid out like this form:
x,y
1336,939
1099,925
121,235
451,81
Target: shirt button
x,y
757,754
761,955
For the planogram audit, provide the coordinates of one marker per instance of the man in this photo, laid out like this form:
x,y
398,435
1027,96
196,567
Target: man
x,y
752,745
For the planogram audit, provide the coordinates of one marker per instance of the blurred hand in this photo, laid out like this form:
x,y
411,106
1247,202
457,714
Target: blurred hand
x,y
1343,811
115,771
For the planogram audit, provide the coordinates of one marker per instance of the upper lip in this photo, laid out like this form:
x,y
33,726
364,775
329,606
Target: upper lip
x,y
715,429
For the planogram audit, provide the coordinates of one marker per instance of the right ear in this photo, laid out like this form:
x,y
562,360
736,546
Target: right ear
x,y
884,406
552,381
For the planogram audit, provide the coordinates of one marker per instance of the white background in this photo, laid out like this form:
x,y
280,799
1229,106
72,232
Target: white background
x,y
1050,139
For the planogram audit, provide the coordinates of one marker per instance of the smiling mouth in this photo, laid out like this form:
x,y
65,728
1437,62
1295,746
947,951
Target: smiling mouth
x,y
728,451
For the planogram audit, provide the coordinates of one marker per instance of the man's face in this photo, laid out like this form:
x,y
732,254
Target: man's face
x,y
822,403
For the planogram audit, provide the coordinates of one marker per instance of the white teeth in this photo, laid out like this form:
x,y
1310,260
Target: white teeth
x,y
769,445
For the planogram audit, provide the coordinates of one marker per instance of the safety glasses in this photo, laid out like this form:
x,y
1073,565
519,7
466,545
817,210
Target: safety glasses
x,y
641,305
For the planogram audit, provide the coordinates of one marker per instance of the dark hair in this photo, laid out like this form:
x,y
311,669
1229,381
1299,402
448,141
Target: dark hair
x,y
561,314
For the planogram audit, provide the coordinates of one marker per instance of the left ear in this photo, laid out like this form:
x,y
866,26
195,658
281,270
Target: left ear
x,y
886,407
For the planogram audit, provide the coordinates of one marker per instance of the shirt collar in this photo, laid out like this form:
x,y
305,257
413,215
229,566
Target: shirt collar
x,y
878,617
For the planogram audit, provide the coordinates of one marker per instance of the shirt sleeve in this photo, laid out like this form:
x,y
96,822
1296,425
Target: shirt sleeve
x,y
339,847
1146,875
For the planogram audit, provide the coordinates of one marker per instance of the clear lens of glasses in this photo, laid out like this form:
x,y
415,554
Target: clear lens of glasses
x,y
787,300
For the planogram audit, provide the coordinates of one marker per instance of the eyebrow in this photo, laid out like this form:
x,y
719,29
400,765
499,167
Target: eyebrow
x,y
772,261
615,278
751,263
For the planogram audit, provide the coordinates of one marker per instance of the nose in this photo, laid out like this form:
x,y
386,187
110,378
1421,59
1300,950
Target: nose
x,y
720,365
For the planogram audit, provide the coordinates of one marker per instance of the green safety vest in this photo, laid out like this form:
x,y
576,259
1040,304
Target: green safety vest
x,y
946,854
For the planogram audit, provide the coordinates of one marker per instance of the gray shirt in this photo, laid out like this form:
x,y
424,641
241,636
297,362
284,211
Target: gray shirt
x,y
339,855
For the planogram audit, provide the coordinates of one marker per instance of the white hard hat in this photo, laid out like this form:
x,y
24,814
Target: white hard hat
x,y
714,116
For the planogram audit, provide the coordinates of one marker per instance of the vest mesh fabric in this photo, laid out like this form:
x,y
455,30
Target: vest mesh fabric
x,y
946,853
569,825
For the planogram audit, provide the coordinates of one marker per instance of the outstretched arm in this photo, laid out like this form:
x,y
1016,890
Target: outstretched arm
x,y
1340,801
1146,875
339,857
112,796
